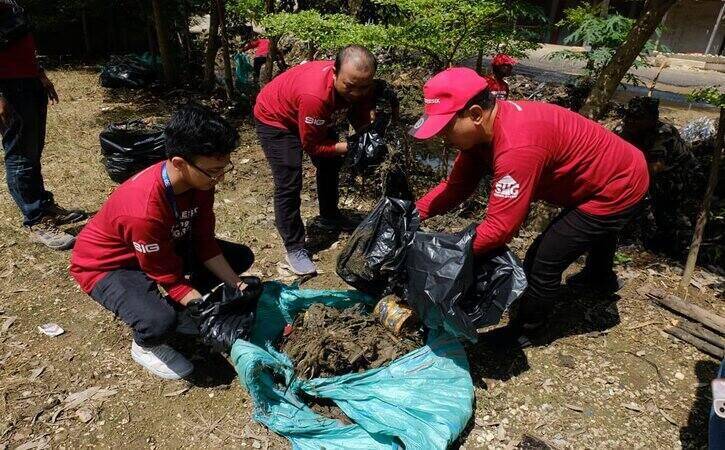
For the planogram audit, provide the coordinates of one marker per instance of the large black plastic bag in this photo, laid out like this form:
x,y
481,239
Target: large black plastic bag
x,y
440,272
127,71
129,147
449,288
373,261
499,280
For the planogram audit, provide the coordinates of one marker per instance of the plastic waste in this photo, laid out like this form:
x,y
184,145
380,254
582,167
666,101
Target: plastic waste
x,y
226,314
367,148
390,407
129,147
373,260
129,71
699,130
450,289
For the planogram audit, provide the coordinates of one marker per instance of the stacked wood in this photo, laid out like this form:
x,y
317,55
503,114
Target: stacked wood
x,y
703,330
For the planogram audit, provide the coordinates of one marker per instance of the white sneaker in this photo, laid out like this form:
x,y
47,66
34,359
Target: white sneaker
x,y
162,361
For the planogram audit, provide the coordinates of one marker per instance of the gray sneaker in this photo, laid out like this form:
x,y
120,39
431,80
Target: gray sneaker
x,y
300,262
47,233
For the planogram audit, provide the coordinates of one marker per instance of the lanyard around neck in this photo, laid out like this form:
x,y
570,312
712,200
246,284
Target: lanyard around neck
x,y
170,196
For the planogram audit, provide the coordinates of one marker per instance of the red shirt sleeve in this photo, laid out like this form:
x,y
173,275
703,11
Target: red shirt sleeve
x,y
313,122
515,177
204,237
156,254
468,168
250,45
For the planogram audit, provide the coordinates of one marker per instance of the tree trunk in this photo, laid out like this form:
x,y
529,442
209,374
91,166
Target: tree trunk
x,y
166,48
479,62
271,58
612,74
86,32
212,48
228,80
702,218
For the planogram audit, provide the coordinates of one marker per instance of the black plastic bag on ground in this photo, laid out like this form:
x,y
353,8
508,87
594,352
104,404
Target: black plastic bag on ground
x,y
373,261
449,289
129,147
127,72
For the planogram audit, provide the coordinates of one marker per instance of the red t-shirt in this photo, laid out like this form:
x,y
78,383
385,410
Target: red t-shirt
x,y
303,100
261,47
499,88
19,59
136,229
542,152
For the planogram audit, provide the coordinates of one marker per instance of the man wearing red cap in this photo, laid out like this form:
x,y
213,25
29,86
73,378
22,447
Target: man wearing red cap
x,y
536,151
501,66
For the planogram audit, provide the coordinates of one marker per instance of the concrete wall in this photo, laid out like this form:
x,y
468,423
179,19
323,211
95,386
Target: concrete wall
x,y
688,26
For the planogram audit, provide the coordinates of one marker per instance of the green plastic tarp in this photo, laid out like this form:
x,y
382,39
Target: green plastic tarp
x,y
391,407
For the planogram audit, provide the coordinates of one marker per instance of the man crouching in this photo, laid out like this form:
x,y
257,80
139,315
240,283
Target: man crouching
x,y
155,228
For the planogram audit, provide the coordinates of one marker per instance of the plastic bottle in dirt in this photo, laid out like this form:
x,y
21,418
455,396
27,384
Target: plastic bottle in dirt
x,y
393,315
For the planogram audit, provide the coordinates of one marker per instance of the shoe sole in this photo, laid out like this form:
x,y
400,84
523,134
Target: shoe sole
x,y
66,246
292,269
165,376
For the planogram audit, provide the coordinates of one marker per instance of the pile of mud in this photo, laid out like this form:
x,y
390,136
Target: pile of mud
x,y
326,342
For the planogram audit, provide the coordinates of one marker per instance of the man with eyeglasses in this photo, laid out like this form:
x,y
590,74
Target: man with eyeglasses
x,y
157,229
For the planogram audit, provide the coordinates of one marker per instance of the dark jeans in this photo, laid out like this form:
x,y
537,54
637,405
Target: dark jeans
x,y
257,65
133,297
23,142
570,235
283,150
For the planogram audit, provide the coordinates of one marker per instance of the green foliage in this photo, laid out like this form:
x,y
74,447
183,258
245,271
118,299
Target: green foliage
x,y
330,31
709,95
601,34
622,259
433,32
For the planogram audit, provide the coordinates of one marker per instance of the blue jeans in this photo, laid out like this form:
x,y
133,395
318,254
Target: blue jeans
x,y
23,143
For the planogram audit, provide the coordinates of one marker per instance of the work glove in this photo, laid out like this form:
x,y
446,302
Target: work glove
x,y
226,313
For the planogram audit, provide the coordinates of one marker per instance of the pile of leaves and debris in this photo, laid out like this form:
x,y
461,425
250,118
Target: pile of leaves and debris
x,y
326,342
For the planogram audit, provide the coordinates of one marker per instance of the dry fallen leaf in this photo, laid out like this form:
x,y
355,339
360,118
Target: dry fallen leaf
x,y
9,321
576,408
177,392
632,406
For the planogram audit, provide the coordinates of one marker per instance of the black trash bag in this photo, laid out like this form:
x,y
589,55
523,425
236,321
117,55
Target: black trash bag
x,y
373,261
129,147
14,24
127,72
499,280
226,314
367,149
440,273
449,288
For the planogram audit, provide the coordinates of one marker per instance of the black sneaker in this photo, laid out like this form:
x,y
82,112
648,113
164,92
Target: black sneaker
x,y
585,280
62,216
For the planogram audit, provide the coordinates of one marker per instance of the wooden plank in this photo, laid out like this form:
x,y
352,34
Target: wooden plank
x,y
693,312
696,342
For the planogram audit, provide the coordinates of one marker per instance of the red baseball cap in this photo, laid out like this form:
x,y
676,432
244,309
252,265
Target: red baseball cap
x,y
503,59
444,95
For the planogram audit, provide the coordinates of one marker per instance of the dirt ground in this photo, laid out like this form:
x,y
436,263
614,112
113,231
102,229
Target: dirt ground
x,y
608,378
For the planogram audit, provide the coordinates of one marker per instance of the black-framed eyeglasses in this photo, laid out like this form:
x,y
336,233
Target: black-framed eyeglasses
x,y
228,168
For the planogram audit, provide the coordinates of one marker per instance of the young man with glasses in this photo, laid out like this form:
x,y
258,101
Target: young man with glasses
x,y
536,151
157,229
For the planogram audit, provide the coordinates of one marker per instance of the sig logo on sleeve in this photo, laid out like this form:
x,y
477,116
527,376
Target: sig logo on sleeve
x,y
146,248
506,187
314,121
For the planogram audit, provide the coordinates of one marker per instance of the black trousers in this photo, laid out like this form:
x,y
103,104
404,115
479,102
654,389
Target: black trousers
x,y
570,235
283,150
134,298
